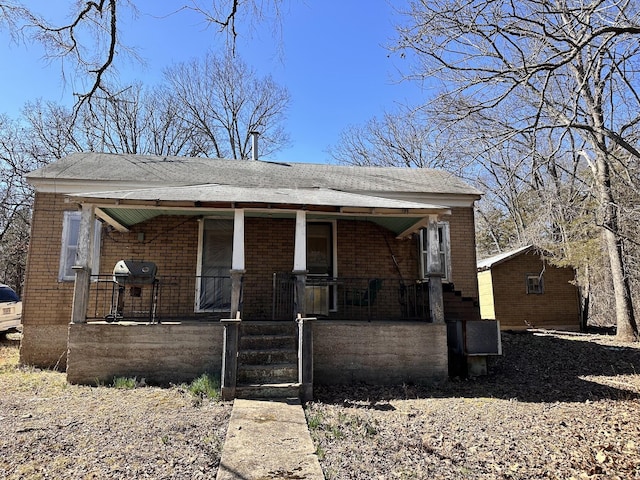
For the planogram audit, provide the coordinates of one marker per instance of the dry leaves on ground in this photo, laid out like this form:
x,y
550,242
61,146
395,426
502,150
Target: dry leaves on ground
x,y
49,429
554,406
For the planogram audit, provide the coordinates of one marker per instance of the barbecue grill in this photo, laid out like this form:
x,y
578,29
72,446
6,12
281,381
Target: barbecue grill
x,y
134,275
132,272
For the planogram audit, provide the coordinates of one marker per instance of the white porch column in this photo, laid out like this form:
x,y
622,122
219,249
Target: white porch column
x,y
434,271
237,262
300,261
300,248
83,265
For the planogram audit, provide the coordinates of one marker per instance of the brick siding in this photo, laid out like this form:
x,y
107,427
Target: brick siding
x,y
556,308
364,250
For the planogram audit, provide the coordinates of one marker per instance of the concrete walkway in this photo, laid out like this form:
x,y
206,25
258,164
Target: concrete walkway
x,y
268,439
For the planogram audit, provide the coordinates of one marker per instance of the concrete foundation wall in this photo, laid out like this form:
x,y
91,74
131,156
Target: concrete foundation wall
x,y
159,353
44,346
383,353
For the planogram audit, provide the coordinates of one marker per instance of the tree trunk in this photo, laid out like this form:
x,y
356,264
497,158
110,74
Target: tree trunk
x,y
627,329
585,299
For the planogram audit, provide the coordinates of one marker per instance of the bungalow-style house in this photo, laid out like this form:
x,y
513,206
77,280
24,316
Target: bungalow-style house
x,y
521,290
265,272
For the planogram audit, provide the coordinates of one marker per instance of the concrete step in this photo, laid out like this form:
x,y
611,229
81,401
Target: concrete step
x,y
268,342
269,328
268,374
269,390
267,356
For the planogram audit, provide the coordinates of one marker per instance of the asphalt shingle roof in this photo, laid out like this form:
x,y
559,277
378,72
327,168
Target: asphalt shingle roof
x,y
489,262
148,170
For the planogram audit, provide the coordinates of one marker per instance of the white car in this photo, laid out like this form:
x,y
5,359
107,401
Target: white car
x,y
10,309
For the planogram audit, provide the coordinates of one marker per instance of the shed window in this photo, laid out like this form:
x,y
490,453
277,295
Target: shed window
x,y
69,250
444,248
534,284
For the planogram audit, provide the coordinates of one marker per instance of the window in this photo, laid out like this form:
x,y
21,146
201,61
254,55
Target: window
x,y
444,250
70,233
213,289
534,283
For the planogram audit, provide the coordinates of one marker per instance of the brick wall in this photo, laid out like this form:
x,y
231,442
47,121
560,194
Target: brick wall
x,y
556,308
46,302
268,249
364,250
463,251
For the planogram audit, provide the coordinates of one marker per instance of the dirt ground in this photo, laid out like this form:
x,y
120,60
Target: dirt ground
x,y
553,406
52,430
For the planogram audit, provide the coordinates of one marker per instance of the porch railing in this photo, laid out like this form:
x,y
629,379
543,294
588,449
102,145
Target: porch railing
x,y
169,297
184,297
352,298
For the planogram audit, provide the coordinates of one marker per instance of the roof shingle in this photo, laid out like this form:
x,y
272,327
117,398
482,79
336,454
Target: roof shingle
x,y
179,171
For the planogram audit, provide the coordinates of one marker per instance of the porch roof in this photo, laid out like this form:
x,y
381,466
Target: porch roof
x,y
125,208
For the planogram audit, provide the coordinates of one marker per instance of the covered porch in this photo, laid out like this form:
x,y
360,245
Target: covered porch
x,y
221,299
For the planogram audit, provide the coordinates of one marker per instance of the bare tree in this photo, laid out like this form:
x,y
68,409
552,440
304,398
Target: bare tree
x,y
165,133
404,138
136,120
15,200
89,40
561,66
224,101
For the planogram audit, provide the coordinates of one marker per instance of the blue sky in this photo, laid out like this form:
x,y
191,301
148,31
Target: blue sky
x,y
331,57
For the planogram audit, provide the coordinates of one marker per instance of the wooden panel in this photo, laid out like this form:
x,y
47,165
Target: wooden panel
x,y
485,289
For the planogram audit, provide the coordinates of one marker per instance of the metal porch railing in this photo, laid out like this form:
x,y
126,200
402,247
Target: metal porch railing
x,y
169,297
185,297
352,298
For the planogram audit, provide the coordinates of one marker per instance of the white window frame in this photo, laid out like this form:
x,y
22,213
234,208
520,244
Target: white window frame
x,y
445,252
65,273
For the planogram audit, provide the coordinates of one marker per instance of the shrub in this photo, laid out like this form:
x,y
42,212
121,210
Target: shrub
x,y
125,383
205,386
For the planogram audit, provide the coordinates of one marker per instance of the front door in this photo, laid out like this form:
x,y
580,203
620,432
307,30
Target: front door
x,y
320,291
213,288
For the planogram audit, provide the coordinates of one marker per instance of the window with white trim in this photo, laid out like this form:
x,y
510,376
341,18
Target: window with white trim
x,y
534,284
69,250
444,249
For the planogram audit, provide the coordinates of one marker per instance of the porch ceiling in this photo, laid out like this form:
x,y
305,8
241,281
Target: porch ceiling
x,y
125,208
123,218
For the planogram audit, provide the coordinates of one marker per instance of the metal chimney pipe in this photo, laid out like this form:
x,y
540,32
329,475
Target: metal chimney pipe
x,y
254,145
